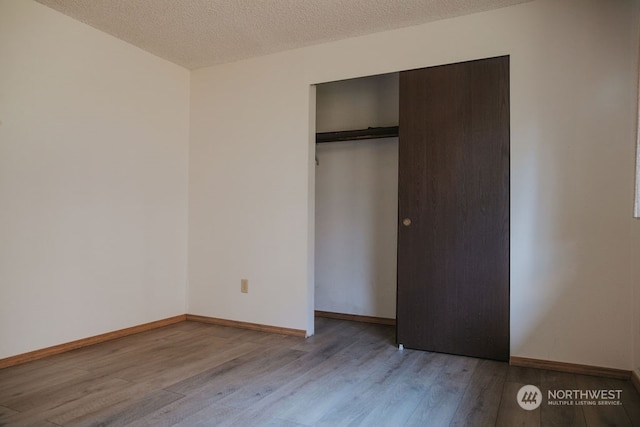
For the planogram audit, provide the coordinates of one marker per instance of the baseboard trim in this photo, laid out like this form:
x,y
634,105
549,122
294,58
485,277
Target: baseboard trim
x,y
247,325
635,379
572,368
62,348
356,318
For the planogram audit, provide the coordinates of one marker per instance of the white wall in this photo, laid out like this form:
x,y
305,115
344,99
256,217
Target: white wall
x,y
572,157
249,196
93,181
357,199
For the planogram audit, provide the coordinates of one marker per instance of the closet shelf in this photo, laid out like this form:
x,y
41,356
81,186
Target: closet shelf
x,y
352,135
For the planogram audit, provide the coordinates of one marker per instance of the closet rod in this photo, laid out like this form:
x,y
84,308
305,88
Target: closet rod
x,y
352,135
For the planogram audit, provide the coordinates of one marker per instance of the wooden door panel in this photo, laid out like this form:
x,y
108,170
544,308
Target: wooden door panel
x,y
453,260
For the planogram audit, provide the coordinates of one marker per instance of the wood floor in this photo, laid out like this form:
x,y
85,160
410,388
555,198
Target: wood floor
x,y
349,373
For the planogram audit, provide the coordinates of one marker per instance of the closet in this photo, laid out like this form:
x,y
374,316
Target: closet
x,y
452,242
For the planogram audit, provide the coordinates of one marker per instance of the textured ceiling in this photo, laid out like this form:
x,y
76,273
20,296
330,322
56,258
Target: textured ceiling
x,y
198,33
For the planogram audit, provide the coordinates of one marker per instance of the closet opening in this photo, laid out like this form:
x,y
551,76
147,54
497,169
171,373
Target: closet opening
x,y
356,199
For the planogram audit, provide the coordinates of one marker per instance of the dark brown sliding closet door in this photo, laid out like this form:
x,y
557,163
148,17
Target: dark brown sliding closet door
x,y
453,236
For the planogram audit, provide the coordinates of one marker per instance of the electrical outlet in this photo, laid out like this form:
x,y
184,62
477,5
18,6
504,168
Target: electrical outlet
x,y
244,286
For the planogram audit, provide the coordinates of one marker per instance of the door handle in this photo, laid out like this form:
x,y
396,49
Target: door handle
x,y
406,222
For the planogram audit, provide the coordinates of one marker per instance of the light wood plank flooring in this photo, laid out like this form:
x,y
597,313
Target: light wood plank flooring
x,y
349,373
